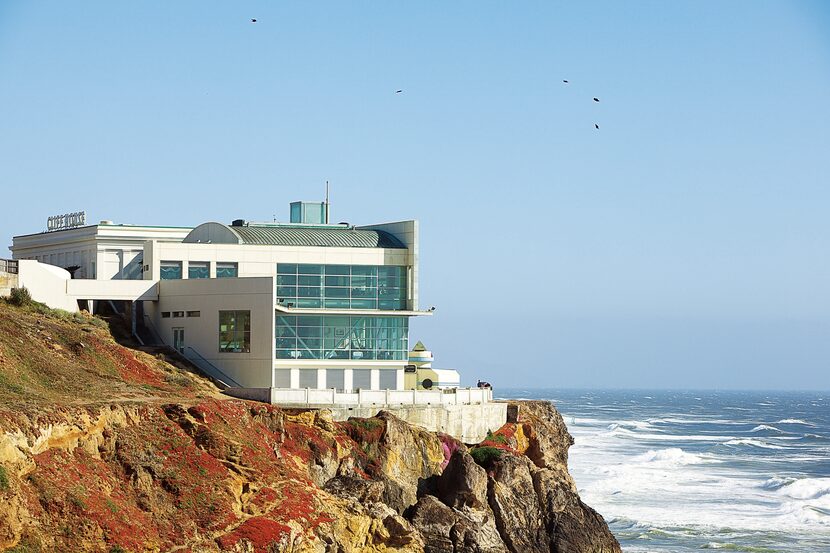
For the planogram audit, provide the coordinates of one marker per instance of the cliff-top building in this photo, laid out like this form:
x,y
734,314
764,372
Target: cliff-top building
x,y
304,304
302,313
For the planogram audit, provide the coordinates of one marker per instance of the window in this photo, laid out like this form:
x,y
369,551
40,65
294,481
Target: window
x,y
178,314
235,331
308,378
165,314
170,270
194,313
198,269
342,286
282,378
342,337
388,379
362,379
336,378
227,270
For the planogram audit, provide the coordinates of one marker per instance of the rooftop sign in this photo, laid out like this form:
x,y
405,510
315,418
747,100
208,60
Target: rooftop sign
x,y
66,221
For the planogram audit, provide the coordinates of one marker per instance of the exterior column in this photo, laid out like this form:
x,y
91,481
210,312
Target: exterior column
x,y
399,379
374,379
348,380
295,378
321,379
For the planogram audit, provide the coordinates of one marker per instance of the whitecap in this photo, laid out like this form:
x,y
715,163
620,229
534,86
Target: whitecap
x,y
673,456
753,442
806,488
777,482
795,421
762,427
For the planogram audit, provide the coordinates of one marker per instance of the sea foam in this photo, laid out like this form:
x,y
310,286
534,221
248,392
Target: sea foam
x,y
807,488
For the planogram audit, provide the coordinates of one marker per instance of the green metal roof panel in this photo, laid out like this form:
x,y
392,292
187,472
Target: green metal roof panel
x,y
331,237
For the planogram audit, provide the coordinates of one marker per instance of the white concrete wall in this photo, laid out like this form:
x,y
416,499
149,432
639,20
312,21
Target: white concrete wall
x,y
46,284
209,296
254,260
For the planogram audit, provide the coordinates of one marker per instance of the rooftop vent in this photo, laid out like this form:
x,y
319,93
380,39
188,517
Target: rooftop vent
x,y
239,223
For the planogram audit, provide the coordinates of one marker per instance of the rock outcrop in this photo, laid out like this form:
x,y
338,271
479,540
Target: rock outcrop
x,y
107,449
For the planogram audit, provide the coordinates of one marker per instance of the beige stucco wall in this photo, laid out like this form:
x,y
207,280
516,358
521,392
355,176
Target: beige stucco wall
x,y
209,296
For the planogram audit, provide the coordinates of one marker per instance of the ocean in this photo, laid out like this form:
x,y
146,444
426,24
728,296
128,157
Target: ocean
x,y
677,471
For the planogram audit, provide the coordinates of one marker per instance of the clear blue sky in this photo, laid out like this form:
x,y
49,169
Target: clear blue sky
x,y
684,244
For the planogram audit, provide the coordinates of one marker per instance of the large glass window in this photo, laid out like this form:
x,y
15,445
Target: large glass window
x,y
170,270
198,269
341,286
235,331
342,337
227,270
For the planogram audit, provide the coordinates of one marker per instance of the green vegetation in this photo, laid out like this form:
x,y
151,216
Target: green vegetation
x,y
27,545
486,456
496,438
117,549
113,508
368,425
4,479
20,297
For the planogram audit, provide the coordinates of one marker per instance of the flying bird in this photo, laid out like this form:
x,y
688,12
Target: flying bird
x,y
596,126
253,20
564,81
398,91
596,99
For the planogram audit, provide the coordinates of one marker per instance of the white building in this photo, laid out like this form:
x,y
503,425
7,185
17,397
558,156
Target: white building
x,y
257,305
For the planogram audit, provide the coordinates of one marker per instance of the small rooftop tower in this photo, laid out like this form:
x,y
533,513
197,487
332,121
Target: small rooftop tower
x,y
312,213
420,356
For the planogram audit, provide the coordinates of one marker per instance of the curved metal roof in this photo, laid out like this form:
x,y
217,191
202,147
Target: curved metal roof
x,y
294,235
345,237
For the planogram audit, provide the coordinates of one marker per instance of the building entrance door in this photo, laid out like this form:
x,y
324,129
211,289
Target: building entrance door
x,y
178,339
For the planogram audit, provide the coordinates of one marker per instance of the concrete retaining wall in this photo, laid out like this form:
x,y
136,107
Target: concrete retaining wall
x,y
7,282
468,423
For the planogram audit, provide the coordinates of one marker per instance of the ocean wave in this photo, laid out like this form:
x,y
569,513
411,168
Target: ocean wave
x,y
777,482
671,420
736,547
806,488
637,425
795,421
753,442
673,456
762,427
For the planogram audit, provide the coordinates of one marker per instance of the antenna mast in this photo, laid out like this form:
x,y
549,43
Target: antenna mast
x,y
327,202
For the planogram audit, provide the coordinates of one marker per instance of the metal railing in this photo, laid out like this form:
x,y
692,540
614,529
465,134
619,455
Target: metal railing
x,y
210,369
10,266
363,398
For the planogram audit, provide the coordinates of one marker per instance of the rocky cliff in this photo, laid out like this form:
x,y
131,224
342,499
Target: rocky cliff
x,y
106,448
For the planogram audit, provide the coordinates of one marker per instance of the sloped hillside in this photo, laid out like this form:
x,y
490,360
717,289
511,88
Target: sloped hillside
x,y
107,449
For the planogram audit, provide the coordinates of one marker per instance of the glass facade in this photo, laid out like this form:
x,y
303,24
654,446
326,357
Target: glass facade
x,y
170,270
198,269
235,331
227,270
341,286
342,337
